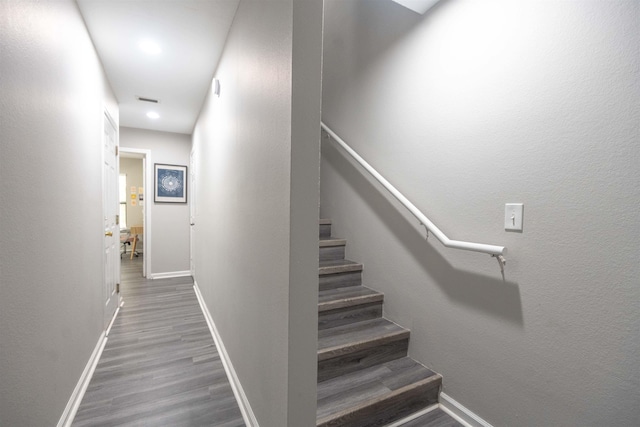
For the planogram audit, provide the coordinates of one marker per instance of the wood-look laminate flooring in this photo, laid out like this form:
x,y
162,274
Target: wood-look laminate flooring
x,y
160,366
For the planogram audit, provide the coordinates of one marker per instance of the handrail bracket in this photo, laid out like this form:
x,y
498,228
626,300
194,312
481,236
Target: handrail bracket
x,y
426,229
501,261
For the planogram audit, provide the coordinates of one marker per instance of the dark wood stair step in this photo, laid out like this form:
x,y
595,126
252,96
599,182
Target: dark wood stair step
x,y
332,241
347,348
339,273
332,299
377,395
338,266
332,248
435,418
325,227
340,306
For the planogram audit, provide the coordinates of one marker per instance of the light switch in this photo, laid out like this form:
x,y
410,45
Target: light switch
x,y
513,213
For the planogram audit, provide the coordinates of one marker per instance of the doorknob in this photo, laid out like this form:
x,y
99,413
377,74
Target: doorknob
x,y
108,233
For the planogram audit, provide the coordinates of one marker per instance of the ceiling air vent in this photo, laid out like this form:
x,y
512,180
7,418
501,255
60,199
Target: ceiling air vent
x,y
143,99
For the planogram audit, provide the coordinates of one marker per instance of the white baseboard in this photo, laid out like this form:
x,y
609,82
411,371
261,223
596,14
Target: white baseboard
x,y
170,274
113,319
247,413
78,393
462,414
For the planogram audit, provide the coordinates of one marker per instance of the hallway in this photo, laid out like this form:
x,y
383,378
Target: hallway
x,y
160,365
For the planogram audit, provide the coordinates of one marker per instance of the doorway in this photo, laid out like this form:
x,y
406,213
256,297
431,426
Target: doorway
x,y
134,212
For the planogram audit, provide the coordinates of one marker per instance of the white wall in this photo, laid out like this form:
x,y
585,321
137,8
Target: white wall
x,y
132,168
471,106
168,243
54,93
257,151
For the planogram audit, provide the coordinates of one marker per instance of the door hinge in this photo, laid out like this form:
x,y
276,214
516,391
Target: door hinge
x,y
117,288
117,219
116,150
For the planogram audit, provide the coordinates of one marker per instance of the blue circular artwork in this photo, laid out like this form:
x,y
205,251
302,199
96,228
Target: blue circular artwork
x,y
170,183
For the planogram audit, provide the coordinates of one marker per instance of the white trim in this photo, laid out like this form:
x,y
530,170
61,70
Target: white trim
x,y
120,304
78,393
170,274
413,416
462,414
245,407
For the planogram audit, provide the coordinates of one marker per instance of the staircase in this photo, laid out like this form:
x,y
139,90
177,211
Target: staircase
x,y
364,375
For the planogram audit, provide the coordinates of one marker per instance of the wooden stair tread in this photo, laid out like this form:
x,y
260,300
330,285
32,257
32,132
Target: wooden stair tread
x,y
332,299
371,385
435,418
324,228
326,242
353,337
338,266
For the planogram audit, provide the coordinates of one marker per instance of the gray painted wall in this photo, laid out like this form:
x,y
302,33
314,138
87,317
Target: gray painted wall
x,y
132,168
257,205
51,114
168,246
464,109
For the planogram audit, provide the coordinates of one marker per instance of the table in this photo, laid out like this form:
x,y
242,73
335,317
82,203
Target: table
x,y
135,230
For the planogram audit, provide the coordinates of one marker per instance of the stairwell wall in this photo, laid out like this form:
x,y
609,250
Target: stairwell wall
x,y
54,94
257,171
464,109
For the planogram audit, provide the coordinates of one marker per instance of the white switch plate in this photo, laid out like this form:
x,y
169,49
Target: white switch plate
x,y
513,213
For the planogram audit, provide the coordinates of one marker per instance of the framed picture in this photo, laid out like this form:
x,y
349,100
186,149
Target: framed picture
x,y
171,184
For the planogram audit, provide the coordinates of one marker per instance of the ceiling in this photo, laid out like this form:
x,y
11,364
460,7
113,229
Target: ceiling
x,y
191,35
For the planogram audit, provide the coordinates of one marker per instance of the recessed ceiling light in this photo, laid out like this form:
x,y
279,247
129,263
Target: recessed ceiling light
x,y
153,115
149,47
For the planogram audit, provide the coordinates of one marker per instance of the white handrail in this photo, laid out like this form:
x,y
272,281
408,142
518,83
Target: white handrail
x,y
493,250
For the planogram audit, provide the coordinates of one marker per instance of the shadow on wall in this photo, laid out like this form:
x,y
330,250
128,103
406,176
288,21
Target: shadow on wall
x,y
385,22
497,297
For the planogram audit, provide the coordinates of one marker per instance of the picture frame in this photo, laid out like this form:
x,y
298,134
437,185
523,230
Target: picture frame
x,y
170,183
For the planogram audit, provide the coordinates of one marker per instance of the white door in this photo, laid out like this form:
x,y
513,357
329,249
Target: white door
x,y
192,212
110,207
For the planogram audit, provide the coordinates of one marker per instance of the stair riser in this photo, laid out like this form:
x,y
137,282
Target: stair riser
x,y
343,316
339,280
386,411
331,253
351,362
325,230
